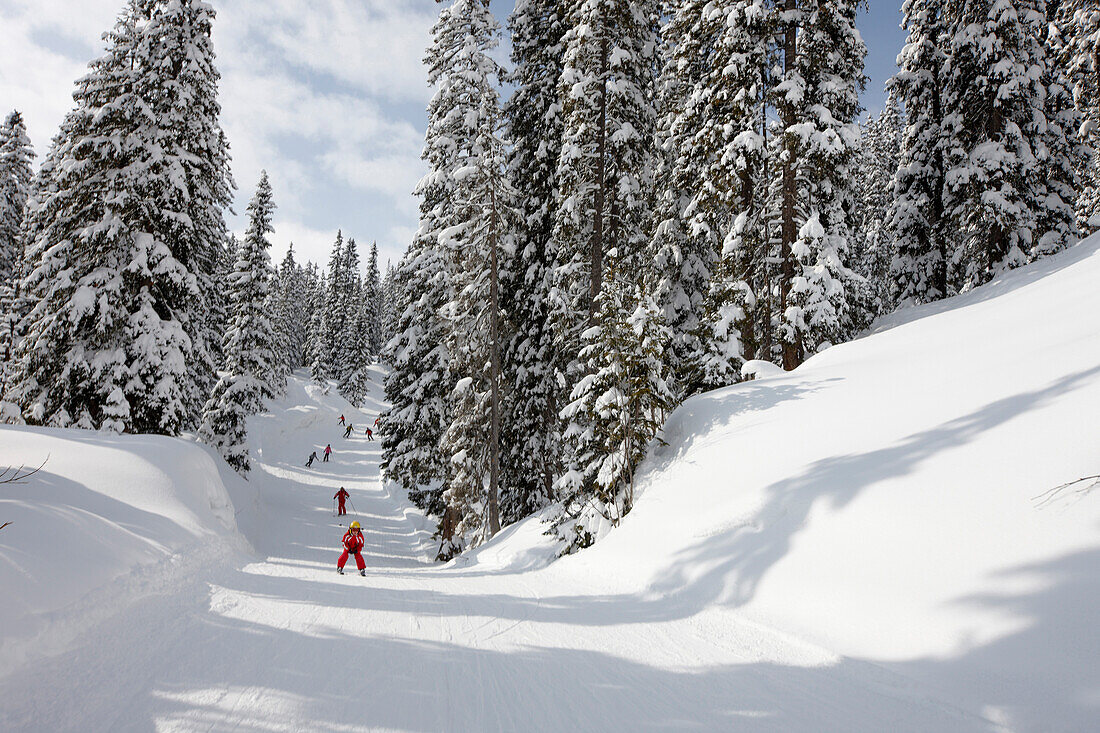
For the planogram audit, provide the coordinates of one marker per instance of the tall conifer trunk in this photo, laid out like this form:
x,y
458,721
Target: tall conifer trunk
x,y
789,230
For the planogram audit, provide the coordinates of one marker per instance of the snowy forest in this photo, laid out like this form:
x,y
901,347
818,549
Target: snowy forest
x,y
652,198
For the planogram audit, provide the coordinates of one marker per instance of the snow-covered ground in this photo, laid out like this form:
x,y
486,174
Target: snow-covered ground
x,y
851,547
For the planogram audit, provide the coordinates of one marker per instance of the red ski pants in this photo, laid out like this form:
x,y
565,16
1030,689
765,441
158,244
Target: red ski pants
x,y
359,562
343,511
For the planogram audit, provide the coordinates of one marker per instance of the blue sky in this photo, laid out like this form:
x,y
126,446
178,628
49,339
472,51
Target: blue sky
x,y
330,101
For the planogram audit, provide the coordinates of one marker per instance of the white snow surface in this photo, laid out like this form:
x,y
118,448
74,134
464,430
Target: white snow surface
x,y
854,546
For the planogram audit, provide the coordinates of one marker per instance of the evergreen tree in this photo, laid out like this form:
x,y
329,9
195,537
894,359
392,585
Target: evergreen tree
x,y
817,99
374,305
604,173
873,236
531,427
1077,54
466,34
918,215
997,92
16,176
614,412
250,342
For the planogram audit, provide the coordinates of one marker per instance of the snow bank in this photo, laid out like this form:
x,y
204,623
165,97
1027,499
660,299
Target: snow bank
x,y
107,520
880,500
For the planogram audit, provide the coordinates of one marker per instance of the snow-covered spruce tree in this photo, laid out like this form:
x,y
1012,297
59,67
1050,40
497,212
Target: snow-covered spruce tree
x,y
472,243
817,100
604,175
925,240
872,248
421,382
739,313
615,411
321,367
998,102
191,177
694,180
374,305
114,282
16,177
1077,53
245,384
531,428
346,298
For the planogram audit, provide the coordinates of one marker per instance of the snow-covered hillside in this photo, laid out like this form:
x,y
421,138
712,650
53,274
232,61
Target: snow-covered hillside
x,y
854,546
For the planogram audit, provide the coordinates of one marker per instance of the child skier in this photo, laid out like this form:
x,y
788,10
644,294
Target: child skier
x,y
370,434
342,496
341,419
312,458
328,452
347,432
353,545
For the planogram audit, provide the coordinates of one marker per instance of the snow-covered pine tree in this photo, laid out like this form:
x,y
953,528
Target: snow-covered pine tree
x,y
872,235
531,427
1077,52
615,411
114,291
245,384
918,217
604,174
347,297
998,102
817,100
472,243
693,209
738,313
16,177
190,179
321,368
374,305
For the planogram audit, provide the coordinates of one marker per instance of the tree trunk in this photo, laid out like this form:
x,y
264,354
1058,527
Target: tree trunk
x,y
789,232
596,276
494,369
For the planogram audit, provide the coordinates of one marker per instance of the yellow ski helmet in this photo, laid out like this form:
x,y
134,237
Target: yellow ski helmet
x,y
355,525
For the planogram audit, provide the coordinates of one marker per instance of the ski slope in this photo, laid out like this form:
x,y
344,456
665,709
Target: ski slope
x,y
850,547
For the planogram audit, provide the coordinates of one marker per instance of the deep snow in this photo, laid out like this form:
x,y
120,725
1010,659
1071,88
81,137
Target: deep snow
x,y
850,547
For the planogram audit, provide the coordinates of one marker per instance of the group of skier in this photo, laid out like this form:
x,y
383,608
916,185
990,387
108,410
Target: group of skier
x,y
353,540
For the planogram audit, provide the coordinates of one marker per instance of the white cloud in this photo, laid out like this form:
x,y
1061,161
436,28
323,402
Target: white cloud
x,y
326,100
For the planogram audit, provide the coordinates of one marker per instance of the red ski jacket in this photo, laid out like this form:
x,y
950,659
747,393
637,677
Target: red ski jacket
x,y
341,495
353,542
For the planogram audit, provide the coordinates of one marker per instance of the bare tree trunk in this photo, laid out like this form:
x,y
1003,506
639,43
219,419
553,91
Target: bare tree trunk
x,y
789,232
494,369
596,276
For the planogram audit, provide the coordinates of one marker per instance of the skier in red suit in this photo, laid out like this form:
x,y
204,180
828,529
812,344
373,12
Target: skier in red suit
x,y
342,496
353,545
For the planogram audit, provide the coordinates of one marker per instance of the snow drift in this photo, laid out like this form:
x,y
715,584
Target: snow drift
x,y
107,520
882,500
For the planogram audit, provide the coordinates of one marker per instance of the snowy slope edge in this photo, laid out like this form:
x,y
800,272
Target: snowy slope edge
x,y
108,521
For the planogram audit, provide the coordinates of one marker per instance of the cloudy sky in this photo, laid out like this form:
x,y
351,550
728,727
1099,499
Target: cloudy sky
x,y
329,100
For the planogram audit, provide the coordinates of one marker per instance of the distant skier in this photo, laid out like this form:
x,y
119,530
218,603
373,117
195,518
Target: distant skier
x,y
353,545
342,496
328,452
341,419
312,458
370,434
377,421
347,432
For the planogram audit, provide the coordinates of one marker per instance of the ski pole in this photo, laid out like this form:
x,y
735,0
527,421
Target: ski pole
x,y
353,508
